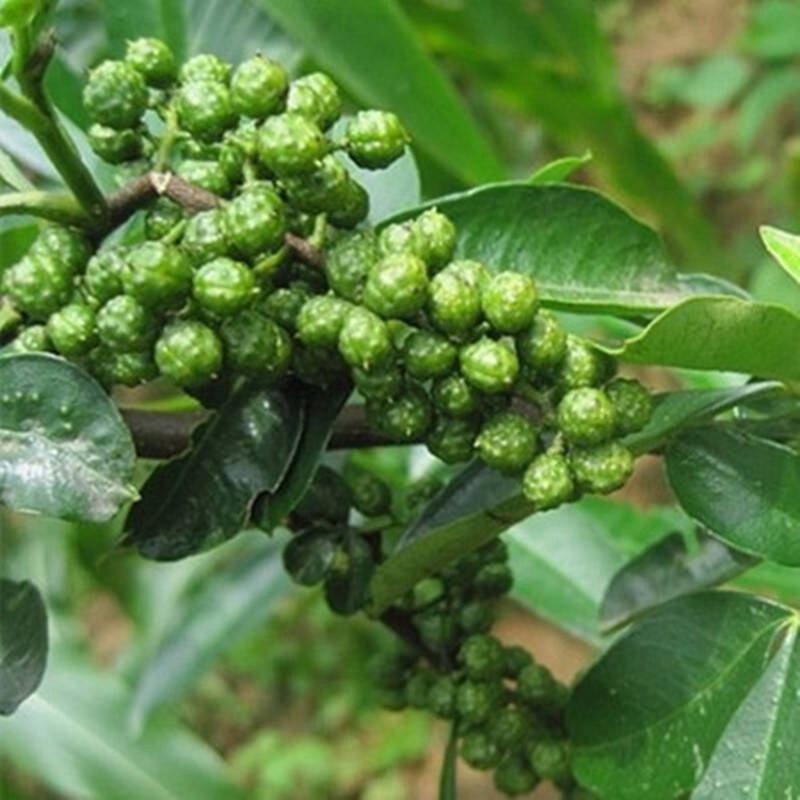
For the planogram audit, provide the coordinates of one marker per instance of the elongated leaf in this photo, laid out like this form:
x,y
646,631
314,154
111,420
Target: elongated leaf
x,y
784,248
471,510
23,642
665,571
583,251
64,449
72,734
744,489
648,715
676,410
720,333
204,497
230,605
354,49
765,729
559,170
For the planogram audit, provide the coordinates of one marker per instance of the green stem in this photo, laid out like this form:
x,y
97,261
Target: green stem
x,y
447,779
56,206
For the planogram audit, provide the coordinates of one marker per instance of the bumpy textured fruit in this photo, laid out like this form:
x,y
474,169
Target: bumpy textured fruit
x,y
454,304
492,580
509,301
317,97
632,403
205,67
370,495
103,276
115,95
602,469
433,238
586,416
507,441
544,344
381,383
113,146
255,345
582,365
159,276
223,286
206,174
348,263
479,750
477,701
71,329
482,658
124,324
374,139
205,109
509,728
397,238
454,396
33,339
65,246
472,272
489,365
403,418
188,353
547,482
256,221
452,440
514,776
284,305
327,499
537,687
320,320
128,369
396,286
550,759
442,697
161,218
258,87
153,59
206,236
322,190
364,340
428,355
290,144
353,205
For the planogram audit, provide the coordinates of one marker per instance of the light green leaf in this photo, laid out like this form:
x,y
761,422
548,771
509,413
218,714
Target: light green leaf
x,y
784,247
64,449
746,490
377,57
559,170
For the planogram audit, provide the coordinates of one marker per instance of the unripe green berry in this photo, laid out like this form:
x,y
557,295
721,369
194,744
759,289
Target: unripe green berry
x,y
327,499
428,355
123,324
476,617
71,329
68,249
204,109
115,95
206,236
352,207
583,365
256,221
479,750
403,418
633,404
434,238
442,697
452,440
454,305
371,496
482,657
258,87
537,687
547,482
127,369
317,97
255,345
516,658
188,353
492,580
283,305
418,686
543,345
364,340
290,144
159,276
509,302
514,776
318,366
477,701
348,263
153,59
509,728
507,441
381,383
223,286
205,67
320,320
601,469
472,272
103,276
397,238
550,759
208,175
161,218
33,339
586,416
322,190
454,396
232,159
489,365
374,139
114,146
38,285
437,630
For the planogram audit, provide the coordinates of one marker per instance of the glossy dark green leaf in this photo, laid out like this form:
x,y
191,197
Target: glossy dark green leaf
x,y
373,52
347,583
308,556
471,510
757,756
23,642
203,498
73,736
674,411
745,490
584,251
784,248
229,605
320,409
64,449
665,571
647,717
720,333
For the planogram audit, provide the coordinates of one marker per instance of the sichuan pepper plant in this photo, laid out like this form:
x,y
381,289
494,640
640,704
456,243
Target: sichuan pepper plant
x,y
237,270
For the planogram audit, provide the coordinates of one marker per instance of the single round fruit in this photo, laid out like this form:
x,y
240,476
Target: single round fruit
x,y
188,353
453,440
509,302
258,87
113,146
255,345
123,324
256,221
454,396
364,340
537,687
633,404
507,441
71,329
33,339
454,305
159,276
477,701
476,617
38,285
509,728
320,320
492,580
371,496
489,365
428,355
103,276
353,206
206,236
317,97
115,95
442,697
128,369
544,344
472,272
321,191
153,59
206,174
161,218
547,482
550,759
348,263
284,305
68,248
482,657
381,383
223,286
517,658
586,416
601,469
403,418
514,776
433,238
290,144
479,750
327,499
205,67
398,238
374,139
204,109
583,365
396,286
